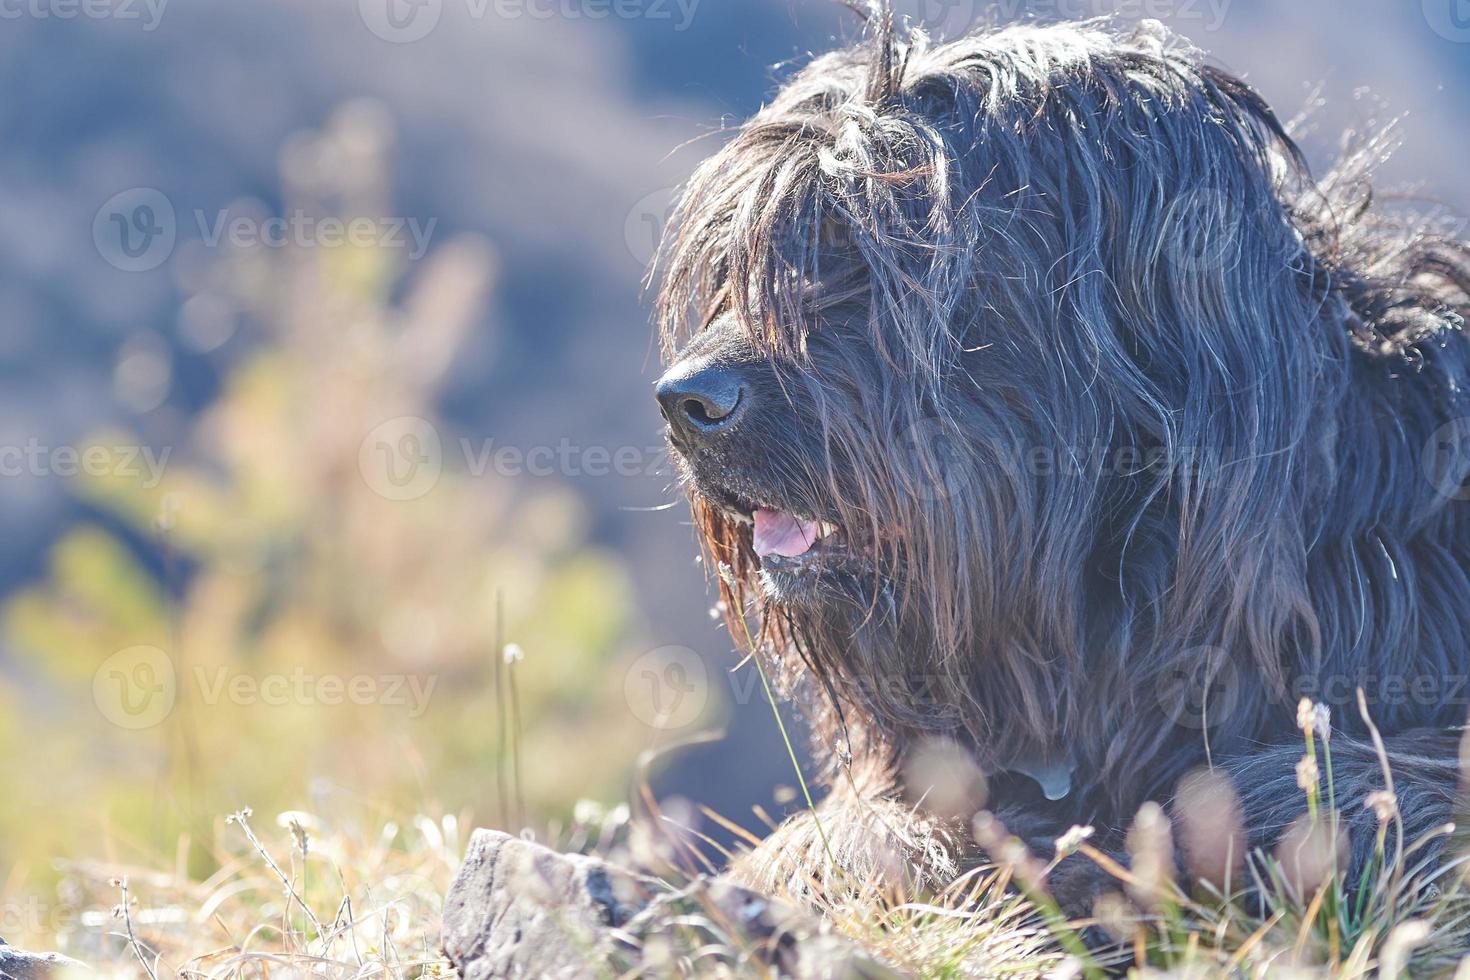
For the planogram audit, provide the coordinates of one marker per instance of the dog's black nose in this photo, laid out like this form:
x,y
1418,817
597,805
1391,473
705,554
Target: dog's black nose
x,y
699,401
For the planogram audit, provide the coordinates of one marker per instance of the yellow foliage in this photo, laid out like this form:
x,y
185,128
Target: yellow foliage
x,y
280,614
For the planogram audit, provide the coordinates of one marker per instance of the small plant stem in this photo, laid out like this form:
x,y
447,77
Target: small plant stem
x,y
786,738
242,818
127,917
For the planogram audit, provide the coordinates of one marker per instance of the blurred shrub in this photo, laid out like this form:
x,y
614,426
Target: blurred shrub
x,y
294,607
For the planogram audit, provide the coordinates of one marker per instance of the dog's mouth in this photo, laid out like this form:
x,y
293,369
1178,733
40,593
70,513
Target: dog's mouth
x,y
789,542
781,535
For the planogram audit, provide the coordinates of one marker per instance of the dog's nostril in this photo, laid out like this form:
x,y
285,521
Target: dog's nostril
x,y
695,410
701,402
708,413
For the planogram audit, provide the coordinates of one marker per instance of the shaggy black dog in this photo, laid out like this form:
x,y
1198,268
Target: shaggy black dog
x,y
1063,433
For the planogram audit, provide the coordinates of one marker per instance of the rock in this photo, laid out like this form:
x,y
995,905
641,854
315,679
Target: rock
x,y
17,964
517,909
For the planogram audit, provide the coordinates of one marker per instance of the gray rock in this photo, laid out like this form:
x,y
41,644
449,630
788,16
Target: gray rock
x,y
520,910
17,964
517,909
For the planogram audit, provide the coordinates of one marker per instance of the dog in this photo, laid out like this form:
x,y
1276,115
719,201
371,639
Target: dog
x,y
1061,434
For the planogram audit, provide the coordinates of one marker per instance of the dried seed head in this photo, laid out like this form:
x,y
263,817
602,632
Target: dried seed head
x,y
1314,719
1385,805
1322,720
1008,851
1307,774
1211,831
1398,948
1310,855
1072,839
300,837
942,779
1151,845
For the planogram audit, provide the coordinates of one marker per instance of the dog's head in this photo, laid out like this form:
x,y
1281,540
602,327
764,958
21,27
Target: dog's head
x,y
1025,349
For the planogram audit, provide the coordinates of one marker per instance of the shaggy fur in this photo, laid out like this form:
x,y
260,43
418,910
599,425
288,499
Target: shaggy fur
x,y
1136,434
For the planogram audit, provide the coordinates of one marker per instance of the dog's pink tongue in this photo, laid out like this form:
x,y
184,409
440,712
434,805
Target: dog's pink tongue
x,y
780,533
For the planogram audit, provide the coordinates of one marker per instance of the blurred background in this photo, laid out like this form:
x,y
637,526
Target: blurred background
x,y
330,474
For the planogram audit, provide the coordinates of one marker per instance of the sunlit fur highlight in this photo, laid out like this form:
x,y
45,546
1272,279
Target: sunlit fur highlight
x,y
1081,237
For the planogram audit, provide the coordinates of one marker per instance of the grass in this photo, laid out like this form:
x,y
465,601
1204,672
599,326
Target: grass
x,y
296,897
302,895
1301,916
977,927
1289,913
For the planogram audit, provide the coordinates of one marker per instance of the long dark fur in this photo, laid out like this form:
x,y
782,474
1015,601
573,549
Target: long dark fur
x,y
1136,417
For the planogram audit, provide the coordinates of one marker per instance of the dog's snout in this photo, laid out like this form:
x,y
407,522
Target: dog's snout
x,y
701,401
